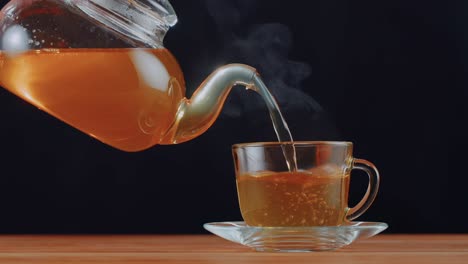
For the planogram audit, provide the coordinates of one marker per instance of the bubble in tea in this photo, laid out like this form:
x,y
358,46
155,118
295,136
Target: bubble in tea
x,y
298,198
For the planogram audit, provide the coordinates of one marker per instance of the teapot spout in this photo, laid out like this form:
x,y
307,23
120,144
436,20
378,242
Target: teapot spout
x,y
196,115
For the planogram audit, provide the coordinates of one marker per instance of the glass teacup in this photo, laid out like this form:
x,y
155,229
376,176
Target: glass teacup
x,y
316,194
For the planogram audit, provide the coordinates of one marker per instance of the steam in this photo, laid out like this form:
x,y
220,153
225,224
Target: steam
x,y
265,47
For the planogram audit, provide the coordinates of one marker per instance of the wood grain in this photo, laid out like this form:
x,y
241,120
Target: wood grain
x,y
209,249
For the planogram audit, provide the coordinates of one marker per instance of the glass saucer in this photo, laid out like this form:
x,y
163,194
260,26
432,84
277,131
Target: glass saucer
x,y
295,239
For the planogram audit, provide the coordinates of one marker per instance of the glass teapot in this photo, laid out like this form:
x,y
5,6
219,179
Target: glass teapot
x,y
100,66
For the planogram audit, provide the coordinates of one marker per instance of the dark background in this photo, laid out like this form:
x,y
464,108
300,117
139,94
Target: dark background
x,y
388,75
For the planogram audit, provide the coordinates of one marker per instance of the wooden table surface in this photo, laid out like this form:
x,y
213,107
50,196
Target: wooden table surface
x,y
210,249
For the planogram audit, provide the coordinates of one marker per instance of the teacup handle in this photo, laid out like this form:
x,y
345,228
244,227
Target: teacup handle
x,y
372,188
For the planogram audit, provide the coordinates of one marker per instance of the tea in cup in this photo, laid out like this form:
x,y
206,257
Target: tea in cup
x,y
314,194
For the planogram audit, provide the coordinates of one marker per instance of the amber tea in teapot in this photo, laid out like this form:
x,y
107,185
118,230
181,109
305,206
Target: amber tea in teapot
x,y
127,91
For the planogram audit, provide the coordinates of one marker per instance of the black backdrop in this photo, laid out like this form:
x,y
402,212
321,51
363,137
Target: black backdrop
x,y
388,75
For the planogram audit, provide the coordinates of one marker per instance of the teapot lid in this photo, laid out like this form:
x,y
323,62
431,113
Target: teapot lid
x,y
146,21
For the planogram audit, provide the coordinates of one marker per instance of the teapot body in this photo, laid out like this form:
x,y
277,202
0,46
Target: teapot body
x,y
123,90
